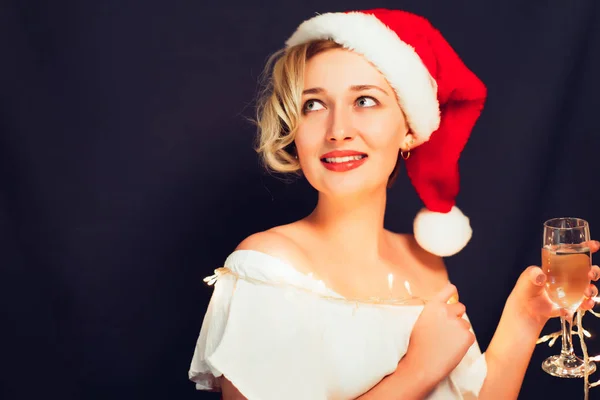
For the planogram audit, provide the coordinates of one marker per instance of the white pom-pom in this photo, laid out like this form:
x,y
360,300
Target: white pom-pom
x,y
442,234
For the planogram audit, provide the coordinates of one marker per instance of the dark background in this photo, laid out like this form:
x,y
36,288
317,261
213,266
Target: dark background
x,y
127,174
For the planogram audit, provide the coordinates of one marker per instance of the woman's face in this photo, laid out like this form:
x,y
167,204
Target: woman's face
x,y
351,127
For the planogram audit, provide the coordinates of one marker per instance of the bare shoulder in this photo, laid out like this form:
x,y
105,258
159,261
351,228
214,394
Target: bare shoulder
x,y
431,262
278,242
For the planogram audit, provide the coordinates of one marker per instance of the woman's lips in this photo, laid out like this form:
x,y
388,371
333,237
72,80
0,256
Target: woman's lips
x,y
343,160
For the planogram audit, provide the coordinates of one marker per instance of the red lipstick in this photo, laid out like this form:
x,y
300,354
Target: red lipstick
x,y
343,160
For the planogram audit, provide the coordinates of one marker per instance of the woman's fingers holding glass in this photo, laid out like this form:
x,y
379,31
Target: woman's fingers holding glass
x,y
593,245
590,293
587,304
594,273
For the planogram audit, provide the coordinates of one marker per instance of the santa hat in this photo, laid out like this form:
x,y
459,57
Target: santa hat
x,y
439,95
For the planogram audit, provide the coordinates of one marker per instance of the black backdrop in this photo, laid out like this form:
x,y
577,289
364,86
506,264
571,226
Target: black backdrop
x,y
128,175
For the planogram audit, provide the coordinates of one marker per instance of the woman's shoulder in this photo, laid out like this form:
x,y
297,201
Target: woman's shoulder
x,y
407,244
278,243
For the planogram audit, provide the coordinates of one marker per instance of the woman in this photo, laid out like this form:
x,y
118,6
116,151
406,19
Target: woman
x,y
303,310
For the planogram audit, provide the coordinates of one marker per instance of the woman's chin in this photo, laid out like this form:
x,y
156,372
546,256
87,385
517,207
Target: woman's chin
x,y
348,189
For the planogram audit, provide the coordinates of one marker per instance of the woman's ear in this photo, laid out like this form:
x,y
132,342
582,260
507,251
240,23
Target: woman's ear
x,y
408,142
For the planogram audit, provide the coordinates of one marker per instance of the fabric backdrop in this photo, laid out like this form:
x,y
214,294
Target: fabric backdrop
x,y
127,174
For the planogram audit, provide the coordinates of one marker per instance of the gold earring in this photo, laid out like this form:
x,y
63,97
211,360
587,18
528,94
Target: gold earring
x,y
406,155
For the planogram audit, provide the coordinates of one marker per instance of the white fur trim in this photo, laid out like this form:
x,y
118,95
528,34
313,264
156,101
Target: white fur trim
x,y
396,60
442,234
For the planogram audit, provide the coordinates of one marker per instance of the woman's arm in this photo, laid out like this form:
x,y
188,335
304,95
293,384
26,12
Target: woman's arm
x,y
527,310
509,353
507,358
439,340
404,383
230,392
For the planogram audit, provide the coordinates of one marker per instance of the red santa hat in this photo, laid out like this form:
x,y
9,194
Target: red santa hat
x,y
439,95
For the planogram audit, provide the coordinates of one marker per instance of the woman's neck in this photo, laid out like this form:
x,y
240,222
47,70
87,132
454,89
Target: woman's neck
x,y
352,224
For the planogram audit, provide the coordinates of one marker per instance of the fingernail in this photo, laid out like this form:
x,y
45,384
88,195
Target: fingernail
x,y
595,275
597,243
540,279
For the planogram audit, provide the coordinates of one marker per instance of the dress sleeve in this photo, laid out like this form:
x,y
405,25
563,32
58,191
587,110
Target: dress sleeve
x,y
265,339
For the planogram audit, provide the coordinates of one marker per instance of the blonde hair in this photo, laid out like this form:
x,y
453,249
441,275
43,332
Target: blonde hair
x,y
280,104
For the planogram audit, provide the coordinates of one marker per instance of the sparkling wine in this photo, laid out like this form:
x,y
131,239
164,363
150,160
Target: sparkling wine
x,y
567,268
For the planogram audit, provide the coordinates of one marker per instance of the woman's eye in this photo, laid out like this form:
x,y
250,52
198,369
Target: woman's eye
x,y
313,105
366,102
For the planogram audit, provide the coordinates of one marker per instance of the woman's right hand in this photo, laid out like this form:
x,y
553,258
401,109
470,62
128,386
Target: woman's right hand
x,y
440,337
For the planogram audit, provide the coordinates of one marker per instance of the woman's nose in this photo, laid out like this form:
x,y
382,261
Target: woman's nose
x,y
340,128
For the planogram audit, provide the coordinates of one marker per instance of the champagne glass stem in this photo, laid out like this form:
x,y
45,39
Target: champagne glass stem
x,y
567,340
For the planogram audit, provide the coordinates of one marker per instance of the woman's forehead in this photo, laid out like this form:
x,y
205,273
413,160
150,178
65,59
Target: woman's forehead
x,y
341,68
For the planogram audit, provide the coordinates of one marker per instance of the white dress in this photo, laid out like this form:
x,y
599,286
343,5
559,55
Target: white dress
x,y
278,334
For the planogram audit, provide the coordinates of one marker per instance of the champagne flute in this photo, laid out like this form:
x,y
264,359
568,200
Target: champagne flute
x,y
566,261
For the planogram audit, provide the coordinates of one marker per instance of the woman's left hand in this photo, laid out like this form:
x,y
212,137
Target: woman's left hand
x,y
592,291
530,297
